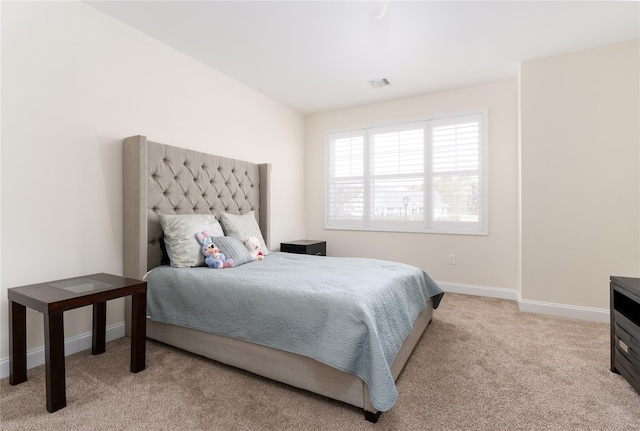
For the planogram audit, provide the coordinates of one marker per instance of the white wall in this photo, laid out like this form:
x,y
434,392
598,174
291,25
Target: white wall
x,y
75,82
580,150
488,261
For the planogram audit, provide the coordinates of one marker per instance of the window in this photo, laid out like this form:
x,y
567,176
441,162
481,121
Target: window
x,y
422,176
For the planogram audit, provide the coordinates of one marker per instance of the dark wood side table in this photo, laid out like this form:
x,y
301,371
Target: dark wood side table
x,y
305,246
54,298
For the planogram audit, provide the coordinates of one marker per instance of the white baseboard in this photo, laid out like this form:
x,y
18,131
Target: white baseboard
x,y
72,345
472,289
563,310
528,306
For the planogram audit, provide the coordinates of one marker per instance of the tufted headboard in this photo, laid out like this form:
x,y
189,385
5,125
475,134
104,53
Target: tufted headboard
x,y
161,179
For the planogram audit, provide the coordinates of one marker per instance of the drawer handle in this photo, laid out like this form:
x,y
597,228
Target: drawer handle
x,y
623,346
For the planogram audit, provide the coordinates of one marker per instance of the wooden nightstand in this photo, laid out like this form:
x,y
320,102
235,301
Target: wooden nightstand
x,y
305,246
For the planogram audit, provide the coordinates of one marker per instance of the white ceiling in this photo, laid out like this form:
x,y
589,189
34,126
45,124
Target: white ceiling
x,y
315,56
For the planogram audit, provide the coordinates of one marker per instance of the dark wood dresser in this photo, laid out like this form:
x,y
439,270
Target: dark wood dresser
x,y
625,328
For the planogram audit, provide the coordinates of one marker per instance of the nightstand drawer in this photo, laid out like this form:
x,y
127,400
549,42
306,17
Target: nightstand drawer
x,y
302,246
627,341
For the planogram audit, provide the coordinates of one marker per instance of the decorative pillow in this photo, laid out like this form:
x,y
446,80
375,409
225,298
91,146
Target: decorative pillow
x,y
233,249
180,236
242,227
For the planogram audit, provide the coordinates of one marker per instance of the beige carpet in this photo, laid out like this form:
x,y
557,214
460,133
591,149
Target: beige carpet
x,y
481,365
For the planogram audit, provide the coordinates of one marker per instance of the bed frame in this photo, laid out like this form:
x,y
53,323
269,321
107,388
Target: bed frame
x,y
162,179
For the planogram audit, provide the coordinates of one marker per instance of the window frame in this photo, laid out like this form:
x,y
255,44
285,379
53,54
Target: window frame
x,y
428,224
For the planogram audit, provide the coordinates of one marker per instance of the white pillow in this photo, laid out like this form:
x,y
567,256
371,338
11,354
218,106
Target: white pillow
x,y
242,227
180,236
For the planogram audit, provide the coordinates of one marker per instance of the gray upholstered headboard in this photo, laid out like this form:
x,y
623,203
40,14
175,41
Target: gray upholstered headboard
x,y
161,179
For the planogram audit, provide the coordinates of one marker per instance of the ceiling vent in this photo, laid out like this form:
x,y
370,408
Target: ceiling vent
x,y
380,83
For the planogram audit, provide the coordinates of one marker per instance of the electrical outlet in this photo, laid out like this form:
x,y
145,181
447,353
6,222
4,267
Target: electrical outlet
x,y
452,259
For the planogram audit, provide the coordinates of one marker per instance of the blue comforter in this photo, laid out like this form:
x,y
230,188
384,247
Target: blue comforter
x,y
352,314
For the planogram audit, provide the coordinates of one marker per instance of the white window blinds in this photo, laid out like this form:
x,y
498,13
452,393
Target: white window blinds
x,y
346,170
423,176
455,165
397,174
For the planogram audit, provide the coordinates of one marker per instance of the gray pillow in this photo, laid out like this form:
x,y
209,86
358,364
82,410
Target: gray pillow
x,y
180,236
242,227
233,249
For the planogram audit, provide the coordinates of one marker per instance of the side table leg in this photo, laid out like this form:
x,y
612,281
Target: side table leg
x,y
138,331
17,343
98,337
54,362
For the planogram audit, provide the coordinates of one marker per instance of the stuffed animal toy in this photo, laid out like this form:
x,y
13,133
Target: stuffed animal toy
x,y
212,256
253,245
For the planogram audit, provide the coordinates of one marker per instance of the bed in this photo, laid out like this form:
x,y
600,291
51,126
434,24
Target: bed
x,y
162,179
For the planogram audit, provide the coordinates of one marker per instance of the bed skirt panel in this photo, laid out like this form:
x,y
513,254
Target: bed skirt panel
x,y
286,367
